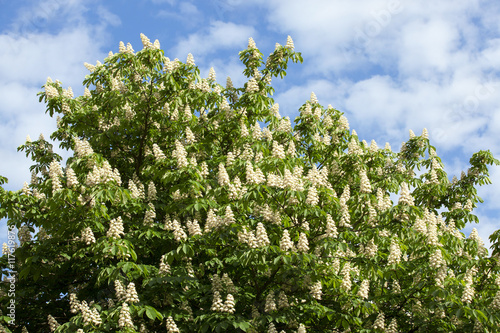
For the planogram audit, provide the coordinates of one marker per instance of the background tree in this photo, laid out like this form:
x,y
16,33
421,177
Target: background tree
x,y
193,207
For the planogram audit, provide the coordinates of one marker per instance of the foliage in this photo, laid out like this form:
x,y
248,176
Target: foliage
x,y
177,211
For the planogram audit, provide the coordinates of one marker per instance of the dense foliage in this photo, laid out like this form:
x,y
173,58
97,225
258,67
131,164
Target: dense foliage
x,y
188,206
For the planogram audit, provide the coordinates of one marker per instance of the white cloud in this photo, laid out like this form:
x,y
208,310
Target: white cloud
x,y
218,36
29,57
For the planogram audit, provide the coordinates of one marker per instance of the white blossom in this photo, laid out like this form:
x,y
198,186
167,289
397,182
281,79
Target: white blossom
x,y
88,236
364,288
270,303
171,326
316,290
394,253
303,244
312,196
115,228
379,322
286,243
125,320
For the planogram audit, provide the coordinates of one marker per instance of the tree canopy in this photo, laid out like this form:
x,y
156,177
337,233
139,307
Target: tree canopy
x,y
189,206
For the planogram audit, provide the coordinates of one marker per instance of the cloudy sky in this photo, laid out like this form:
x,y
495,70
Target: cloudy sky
x,y
391,66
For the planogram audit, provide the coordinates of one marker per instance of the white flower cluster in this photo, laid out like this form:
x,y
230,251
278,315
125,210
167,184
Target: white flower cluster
x,y
219,306
370,249
285,125
118,84
286,243
158,153
254,175
125,320
190,60
274,180
254,240
50,90
73,303
223,177
164,266
252,86
55,171
204,169
405,196
267,134
396,287
474,235
131,294
383,201
261,236
420,226
228,218
394,253
26,190
271,328
88,236
120,290
432,231
365,186
468,293
178,231
151,191
90,317
289,43
180,155
282,300
293,181
146,43
312,198
432,177
278,151
236,189
307,111
104,174
364,288
24,234
82,148
190,138
303,243
5,249
171,326
393,326
496,301
436,260
379,322
213,221
193,227
53,324
316,291
331,228
42,234
115,228
354,147
318,177
256,132
346,276
136,189
270,303
468,205
149,215
345,219
71,180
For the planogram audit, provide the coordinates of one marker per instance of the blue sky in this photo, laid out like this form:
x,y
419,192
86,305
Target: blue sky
x,y
391,66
